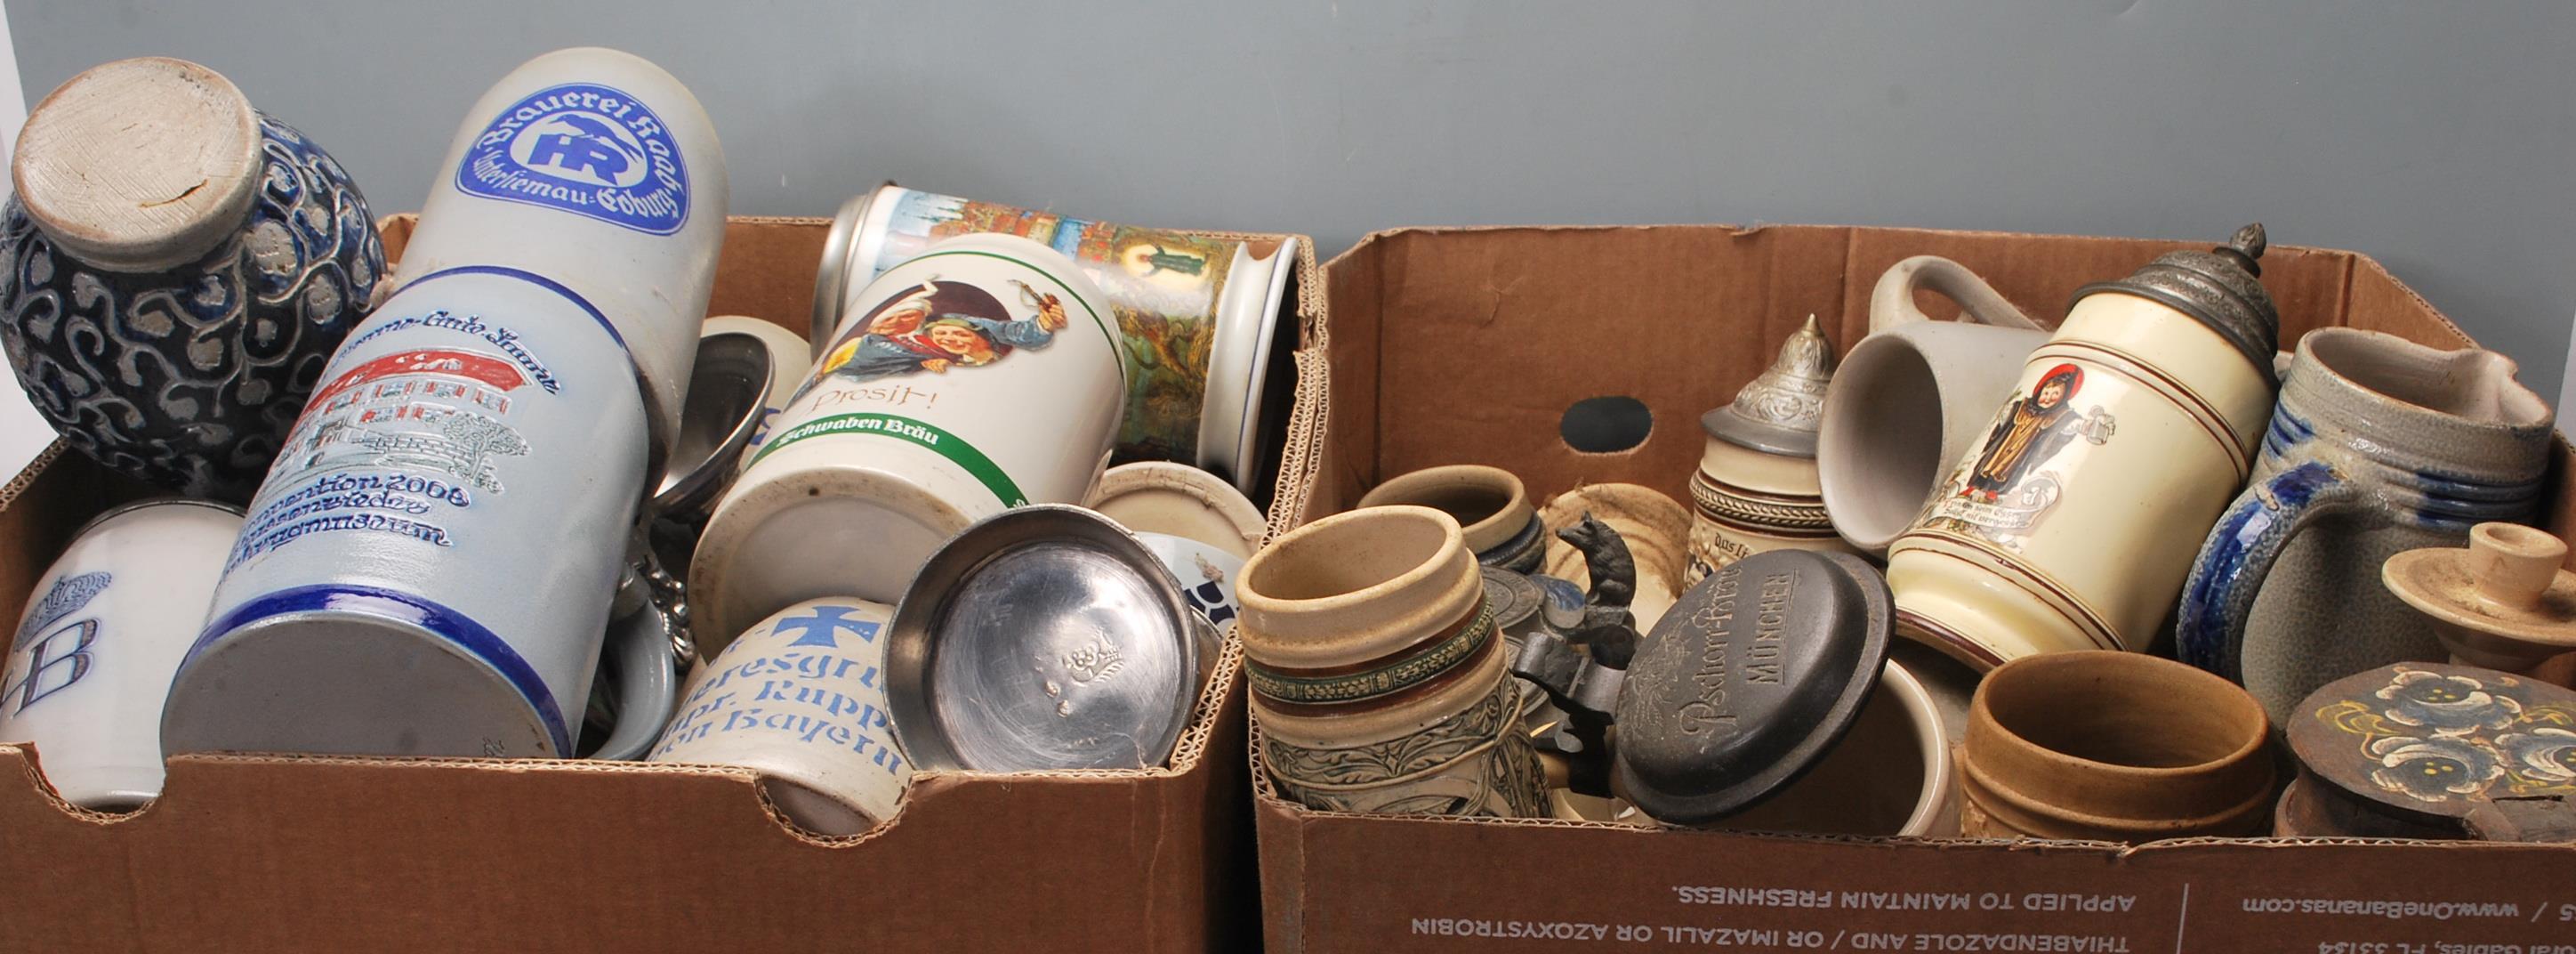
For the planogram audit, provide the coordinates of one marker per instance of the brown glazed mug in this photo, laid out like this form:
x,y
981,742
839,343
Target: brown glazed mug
x,y
2113,746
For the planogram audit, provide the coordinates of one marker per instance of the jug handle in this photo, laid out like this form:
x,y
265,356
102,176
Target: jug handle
x,y
1891,303
2241,550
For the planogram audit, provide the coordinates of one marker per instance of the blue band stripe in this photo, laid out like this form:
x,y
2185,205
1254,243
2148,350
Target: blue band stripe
x,y
449,624
540,281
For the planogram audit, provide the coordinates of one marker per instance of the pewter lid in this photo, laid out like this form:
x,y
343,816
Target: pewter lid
x,y
833,274
728,386
1750,678
1043,637
2219,287
1515,598
1779,411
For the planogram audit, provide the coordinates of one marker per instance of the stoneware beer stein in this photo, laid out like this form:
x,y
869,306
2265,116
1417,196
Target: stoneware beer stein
x,y
102,633
2503,603
979,376
597,170
1912,395
789,360
801,697
1197,316
1182,501
1755,488
2458,750
2113,746
1042,638
428,569
2072,523
1377,676
1489,503
2379,446
178,266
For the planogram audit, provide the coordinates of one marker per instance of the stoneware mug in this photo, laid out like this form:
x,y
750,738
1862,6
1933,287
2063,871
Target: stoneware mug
x,y
2113,746
979,376
102,634
175,267
801,697
1909,398
2379,445
1489,503
1889,775
1378,678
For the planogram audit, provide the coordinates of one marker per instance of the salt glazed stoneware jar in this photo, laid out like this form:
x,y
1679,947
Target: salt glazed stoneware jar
x,y
428,567
1756,487
2379,446
2072,524
1489,503
178,268
1378,679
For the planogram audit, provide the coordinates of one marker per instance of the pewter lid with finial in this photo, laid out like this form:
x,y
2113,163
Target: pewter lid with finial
x,y
2220,288
1779,411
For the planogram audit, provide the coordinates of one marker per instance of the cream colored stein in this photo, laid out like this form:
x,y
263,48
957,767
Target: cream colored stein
x,y
1756,487
2073,521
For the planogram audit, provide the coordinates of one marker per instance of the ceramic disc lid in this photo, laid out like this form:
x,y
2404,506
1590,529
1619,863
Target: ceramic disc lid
x,y
1515,598
1751,677
2424,741
1043,637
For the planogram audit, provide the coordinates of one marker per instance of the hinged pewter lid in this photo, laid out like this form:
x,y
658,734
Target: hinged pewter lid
x,y
2221,288
1779,411
1748,680
1043,637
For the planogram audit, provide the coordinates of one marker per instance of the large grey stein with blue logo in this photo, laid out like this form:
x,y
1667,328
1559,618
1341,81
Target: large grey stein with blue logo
x,y
2379,445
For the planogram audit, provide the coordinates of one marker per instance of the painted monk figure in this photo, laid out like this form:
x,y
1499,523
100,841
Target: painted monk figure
x,y
2032,429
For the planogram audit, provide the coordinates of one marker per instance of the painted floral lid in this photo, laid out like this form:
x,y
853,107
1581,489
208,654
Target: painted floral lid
x,y
2432,742
1779,411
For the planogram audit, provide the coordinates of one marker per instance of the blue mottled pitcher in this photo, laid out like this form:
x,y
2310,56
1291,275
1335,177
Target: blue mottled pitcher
x,y
2379,445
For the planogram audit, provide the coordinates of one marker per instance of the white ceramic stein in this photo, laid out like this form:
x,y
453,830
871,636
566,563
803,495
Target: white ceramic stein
x,y
801,697
102,634
979,376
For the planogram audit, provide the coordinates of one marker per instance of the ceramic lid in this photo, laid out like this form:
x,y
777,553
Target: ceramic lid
x,y
1779,411
1515,598
1562,606
2220,287
2426,742
1752,676
1043,637
140,164
2506,584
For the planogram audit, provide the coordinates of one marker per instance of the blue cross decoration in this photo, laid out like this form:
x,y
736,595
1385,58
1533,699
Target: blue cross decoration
x,y
821,629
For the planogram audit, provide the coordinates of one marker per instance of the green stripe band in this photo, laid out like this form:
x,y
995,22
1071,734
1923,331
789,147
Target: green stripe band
x,y
889,425
1394,677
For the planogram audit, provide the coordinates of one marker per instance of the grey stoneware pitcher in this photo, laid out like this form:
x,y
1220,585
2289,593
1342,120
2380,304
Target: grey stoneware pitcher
x,y
2379,445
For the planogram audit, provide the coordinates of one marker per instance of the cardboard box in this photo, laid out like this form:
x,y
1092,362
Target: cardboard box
x,y
336,854
1467,345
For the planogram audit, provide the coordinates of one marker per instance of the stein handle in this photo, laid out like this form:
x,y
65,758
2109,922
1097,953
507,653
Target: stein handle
x,y
2240,551
648,682
1891,303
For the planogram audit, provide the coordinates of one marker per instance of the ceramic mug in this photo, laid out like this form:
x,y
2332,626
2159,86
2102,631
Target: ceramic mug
x,y
801,697
981,375
1908,399
1378,678
181,267
1183,501
1206,574
599,171
1489,503
2113,746
101,636
1197,315
1889,775
790,358
2378,446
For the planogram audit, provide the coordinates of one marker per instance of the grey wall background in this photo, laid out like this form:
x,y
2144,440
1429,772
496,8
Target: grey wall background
x,y
2436,137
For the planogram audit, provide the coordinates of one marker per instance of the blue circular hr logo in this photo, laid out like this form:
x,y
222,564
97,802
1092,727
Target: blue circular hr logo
x,y
583,148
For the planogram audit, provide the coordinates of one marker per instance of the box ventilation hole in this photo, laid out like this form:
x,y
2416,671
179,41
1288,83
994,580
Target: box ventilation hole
x,y
1606,425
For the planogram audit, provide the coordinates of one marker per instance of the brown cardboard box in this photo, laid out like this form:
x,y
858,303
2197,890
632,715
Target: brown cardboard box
x,y
1466,346
330,854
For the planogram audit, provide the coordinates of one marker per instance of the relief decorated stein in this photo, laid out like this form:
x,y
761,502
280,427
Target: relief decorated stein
x,y
178,266
1197,315
2072,523
1377,674
429,566
1756,488
979,376
2379,446
103,631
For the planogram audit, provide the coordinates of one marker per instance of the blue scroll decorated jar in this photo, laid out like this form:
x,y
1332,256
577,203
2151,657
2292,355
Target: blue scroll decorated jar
x,y
2379,445
179,268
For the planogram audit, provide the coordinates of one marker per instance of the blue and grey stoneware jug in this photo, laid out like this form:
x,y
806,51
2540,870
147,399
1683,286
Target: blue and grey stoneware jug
x,y
178,269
